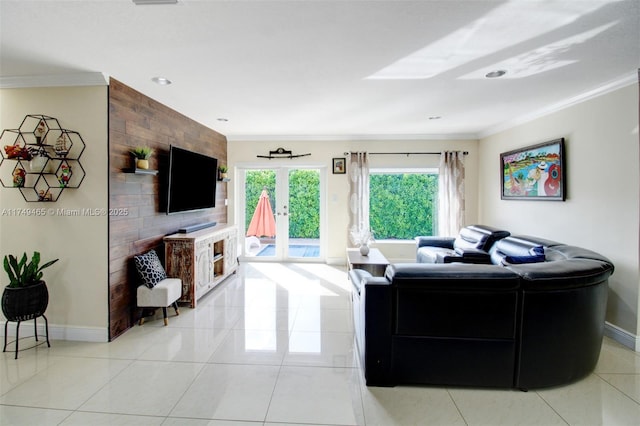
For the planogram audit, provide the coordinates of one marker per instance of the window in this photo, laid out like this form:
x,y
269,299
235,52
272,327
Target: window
x,y
402,202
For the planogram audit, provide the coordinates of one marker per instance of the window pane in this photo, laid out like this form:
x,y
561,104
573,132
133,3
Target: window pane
x,y
304,203
256,181
402,205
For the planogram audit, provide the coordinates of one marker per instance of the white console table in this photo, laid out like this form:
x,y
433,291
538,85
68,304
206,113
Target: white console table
x,y
201,259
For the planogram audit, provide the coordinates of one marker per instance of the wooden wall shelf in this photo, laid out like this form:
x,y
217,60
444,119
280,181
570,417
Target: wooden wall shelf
x,y
141,171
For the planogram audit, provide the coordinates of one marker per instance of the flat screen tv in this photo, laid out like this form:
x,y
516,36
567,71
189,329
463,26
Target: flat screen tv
x,y
192,181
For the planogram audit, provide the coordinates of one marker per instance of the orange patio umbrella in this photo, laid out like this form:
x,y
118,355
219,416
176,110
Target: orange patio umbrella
x,y
262,223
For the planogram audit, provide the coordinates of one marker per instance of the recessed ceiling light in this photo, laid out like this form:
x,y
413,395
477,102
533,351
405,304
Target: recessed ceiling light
x,y
495,74
161,81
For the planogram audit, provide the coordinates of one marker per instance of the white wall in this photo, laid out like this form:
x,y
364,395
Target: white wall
x,y
601,210
322,152
78,303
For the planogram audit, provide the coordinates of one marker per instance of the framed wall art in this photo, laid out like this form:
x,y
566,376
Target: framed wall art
x,y
339,166
535,172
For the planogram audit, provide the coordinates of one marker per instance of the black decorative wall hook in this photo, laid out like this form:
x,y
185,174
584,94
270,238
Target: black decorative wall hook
x,y
281,153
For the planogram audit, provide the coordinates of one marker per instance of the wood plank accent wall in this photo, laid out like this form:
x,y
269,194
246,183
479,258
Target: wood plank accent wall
x,y
137,221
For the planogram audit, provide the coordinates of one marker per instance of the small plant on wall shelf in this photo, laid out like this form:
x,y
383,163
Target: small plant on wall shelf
x,y
223,170
142,155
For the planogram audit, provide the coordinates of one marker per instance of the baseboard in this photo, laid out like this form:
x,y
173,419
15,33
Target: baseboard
x,y
622,336
401,260
58,332
342,261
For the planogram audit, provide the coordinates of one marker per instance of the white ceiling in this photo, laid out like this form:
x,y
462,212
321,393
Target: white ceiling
x,y
316,69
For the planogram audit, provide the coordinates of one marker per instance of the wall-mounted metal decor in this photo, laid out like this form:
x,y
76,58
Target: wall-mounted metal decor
x,y
282,153
40,158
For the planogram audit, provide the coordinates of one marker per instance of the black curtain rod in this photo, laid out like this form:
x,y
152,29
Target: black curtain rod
x,y
407,153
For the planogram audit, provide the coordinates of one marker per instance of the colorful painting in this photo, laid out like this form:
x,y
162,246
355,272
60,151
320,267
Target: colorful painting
x,y
534,173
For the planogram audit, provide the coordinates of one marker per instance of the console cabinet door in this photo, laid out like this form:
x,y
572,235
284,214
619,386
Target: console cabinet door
x,y
204,260
230,252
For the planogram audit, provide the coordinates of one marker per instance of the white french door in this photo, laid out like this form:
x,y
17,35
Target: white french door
x,y
296,202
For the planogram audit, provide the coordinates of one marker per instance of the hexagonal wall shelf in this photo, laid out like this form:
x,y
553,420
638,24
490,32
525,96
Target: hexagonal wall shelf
x,y
41,159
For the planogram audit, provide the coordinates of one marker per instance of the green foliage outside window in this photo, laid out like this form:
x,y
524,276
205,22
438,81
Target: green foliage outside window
x,y
256,181
304,199
304,204
402,205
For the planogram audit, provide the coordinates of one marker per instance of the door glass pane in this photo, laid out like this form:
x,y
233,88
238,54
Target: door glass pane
x,y
260,190
304,213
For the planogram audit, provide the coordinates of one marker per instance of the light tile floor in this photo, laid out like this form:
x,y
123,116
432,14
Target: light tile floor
x,y
274,345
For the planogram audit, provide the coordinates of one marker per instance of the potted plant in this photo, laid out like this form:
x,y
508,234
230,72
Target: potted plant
x,y
362,237
26,296
223,169
142,155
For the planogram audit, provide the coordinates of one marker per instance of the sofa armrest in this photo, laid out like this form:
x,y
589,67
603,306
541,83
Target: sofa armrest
x,y
359,278
469,255
432,241
372,310
376,322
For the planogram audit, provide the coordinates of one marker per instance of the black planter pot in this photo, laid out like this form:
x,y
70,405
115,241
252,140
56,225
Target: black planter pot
x,y
22,304
25,303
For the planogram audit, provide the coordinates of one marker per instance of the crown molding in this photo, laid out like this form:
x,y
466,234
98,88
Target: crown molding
x,y
619,83
341,138
54,80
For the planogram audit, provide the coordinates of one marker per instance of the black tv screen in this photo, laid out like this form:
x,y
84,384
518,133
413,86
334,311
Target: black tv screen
x,y
192,181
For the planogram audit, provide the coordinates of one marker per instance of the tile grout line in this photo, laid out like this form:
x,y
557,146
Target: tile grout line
x,y
616,388
552,408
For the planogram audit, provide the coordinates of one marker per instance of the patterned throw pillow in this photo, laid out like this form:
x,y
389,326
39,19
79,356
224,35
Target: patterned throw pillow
x,y
149,268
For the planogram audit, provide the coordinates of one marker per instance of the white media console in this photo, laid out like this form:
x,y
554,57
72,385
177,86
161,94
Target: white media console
x,y
202,259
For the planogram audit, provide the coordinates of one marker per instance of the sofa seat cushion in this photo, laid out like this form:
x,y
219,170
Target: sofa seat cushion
x,y
164,293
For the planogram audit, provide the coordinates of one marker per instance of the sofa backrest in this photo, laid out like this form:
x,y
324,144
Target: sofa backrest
x,y
516,250
544,264
480,237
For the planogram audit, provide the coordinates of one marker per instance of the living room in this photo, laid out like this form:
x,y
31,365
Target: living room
x,y
584,135
601,211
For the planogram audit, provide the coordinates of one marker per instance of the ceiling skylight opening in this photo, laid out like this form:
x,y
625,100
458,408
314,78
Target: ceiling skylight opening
x,y
497,30
541,59
162,81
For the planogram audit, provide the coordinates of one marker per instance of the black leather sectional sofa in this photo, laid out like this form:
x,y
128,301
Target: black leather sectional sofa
x,y
532,316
